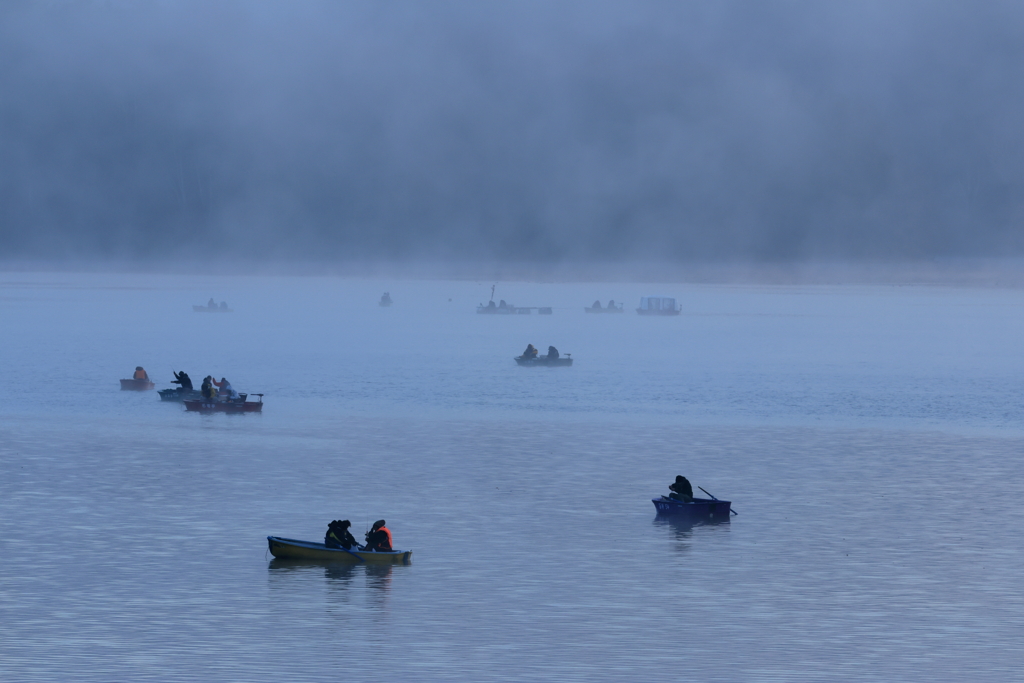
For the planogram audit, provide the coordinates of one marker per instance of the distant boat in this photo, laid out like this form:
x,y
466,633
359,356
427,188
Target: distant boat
x,y
545,362
231,405
222,308
385,300
700,509
501,308
308,550
611,308
137,385
658,305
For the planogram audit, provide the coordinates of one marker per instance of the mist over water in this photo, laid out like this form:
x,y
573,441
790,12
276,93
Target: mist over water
x,y
567,132
869,437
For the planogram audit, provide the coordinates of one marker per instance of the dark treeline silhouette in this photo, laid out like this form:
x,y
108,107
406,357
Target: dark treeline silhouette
x,y
529,131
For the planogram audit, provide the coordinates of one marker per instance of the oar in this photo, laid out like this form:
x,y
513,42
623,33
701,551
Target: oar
x,y
349,552
713,498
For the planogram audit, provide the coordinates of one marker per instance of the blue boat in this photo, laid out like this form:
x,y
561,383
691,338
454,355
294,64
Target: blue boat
x,y
701,509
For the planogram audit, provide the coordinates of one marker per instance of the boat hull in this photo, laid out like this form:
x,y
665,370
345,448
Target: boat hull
x,y
136,385
289,548
701,509
177,396
642,311
211,309
242,406
603,310
544,362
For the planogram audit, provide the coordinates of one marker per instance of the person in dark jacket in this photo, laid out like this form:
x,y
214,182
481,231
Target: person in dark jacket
x,y
552,352
378,538
681,490
338,535
530,353
183,379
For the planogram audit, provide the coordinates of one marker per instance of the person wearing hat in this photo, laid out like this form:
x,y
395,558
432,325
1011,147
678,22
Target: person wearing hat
x,y
378,538
140,373
338,535
681,490
209,391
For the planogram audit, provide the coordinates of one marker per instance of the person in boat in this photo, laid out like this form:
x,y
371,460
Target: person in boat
x,y
378,538
224,388
338,535
596,306
681,490
208,390
223,305
492,305
530,353
503,304
552,353
211,303
183,379
611,304
140,373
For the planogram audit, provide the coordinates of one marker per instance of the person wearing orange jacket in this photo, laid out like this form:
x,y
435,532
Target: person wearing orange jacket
x,y
378,538
140,373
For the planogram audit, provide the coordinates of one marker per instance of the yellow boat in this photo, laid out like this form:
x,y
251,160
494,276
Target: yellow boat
x,y
306,550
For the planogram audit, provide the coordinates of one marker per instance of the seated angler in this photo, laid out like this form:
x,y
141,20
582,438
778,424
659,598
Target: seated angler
x,y
530,353
596,306
681,490
338,535
378,538
225,389
140,373
552,353
208,390
183,379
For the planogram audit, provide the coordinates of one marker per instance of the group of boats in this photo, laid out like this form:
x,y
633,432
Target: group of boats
x,y
193,400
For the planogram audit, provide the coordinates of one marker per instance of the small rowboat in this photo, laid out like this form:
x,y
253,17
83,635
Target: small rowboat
x,y
136,385
234,405
545,362
700,509
211,309
307,550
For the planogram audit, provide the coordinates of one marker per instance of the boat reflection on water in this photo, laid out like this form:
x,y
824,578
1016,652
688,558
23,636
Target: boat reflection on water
x,y
682,528
339,575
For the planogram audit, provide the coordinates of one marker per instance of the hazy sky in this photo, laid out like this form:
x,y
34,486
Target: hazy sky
x,y
525,131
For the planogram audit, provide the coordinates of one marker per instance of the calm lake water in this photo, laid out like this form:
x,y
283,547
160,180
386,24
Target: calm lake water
x,y
871,439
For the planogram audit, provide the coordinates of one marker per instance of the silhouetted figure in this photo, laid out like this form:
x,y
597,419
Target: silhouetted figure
x,y
552,352
223,305
681,490
338,535
183,379
140,373
596,306
611,303
211,303
530,353
378,538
